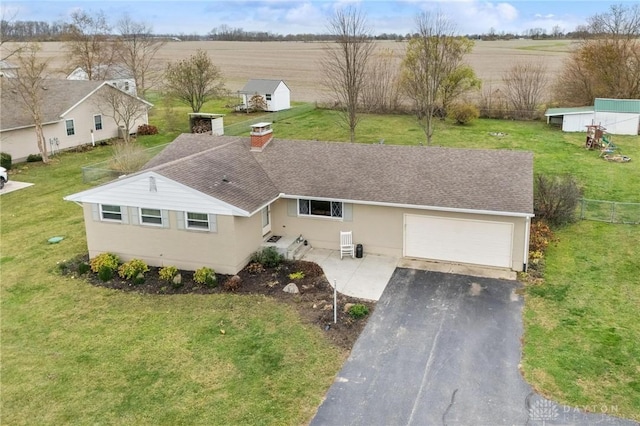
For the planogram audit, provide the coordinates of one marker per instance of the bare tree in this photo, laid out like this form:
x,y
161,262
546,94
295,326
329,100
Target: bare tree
x,y
124,108
381,91
7,50
607,63
345,63
27,88
194,80
136,49
87,40
524,87
432,55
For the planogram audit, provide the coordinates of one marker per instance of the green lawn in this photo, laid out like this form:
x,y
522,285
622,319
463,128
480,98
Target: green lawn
x,y
75,353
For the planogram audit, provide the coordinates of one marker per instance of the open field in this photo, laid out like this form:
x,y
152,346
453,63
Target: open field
x,y
298,63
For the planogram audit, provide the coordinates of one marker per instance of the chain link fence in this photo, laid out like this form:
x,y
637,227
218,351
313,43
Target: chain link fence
x,y
609,211
244,127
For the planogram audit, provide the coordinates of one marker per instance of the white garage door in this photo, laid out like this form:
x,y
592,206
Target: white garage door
x,y
458,240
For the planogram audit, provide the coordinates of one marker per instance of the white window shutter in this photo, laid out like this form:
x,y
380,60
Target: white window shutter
x,y
165,218
135,217
125,214
292,208
181,220
213,223
347,212
95,212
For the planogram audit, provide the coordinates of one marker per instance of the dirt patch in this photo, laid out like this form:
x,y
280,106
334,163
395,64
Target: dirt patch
x,y
314,302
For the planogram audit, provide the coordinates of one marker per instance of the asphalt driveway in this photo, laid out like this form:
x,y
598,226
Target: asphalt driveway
x,y
442,349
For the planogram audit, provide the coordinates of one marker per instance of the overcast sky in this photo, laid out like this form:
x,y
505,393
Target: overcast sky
x,y
300,16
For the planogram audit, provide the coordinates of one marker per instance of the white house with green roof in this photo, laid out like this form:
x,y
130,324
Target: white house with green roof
x,y
618,116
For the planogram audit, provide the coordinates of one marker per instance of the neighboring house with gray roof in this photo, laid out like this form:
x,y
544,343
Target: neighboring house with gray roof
x,y
214,200
72,115
7,69
117,75
617,116
276,94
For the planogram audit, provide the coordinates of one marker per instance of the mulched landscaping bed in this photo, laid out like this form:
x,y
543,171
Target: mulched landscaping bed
x,y
314,302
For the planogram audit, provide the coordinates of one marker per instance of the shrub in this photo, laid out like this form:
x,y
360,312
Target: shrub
x,y
133,270
255,268
168,273
296,275
205,276
105,273
5,160
232,284
463,113
540,236
128,157
556,199
311,269
104,260
34,158
358,311
147,129
83,268
267,257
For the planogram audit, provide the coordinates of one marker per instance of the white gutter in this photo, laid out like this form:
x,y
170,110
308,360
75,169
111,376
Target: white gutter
x,y
412,206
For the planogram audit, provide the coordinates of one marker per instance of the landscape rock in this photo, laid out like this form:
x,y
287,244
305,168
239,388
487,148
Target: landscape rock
x,y
291,288
177,280
346,308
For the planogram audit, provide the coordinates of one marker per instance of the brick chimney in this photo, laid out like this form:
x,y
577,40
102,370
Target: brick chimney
x,y
261,135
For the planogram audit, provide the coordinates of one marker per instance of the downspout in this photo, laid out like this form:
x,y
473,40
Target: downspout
x,y
527,233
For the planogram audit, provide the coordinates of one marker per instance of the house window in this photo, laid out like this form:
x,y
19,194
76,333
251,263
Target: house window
x,y
108,212
97,122
151,216
126,86
198,221
71,129
268,96
320,208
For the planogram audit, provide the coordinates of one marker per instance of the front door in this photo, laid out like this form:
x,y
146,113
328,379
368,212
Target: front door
x,y
266,220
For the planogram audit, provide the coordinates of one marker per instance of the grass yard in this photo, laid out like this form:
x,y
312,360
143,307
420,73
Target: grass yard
x,y
75,353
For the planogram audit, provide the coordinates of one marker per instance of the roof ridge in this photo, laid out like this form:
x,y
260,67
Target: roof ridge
x,y
177,160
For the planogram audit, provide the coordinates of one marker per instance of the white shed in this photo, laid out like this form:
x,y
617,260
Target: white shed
x,y
276,93
618,116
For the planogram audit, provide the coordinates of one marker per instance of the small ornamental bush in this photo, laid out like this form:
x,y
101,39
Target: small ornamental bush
x,y
296,275
168,273
311,269
358,311
104,260
255,268
232,284
267,257
556,199
105,273
83,268
34,158
463,113
5,160
133,270
540,236
146,129
205,276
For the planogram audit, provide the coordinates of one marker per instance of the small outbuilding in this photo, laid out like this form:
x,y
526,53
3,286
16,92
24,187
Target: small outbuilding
x,y
276,94
619,116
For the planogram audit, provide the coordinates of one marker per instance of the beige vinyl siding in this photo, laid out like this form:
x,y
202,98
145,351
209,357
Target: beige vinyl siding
x,y
379,229
226,250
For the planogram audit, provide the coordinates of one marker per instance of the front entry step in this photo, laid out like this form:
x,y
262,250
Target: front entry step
x,y
292,248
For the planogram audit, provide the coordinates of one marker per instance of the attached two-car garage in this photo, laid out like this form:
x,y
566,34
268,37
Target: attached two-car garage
x,y
458,240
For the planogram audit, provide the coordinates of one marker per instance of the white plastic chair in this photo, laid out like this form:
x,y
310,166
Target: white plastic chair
x,y
346,244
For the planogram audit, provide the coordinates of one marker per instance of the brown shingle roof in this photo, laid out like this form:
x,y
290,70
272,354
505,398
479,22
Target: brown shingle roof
x,y
491,180
57,97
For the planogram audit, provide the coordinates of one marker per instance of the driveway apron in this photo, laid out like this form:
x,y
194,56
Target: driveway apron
x,y
442,349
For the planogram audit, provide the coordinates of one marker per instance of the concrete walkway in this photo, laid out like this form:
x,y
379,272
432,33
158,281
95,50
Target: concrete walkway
x,y
13,185
364,278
